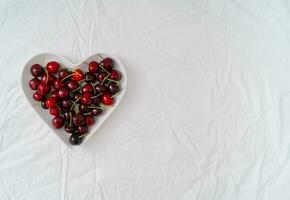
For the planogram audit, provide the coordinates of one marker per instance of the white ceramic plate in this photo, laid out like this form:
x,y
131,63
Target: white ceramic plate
x,y
42,59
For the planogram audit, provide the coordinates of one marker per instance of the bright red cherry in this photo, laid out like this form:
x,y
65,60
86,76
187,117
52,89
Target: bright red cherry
x,y
78,75
43,88
49,78
38,97
90,120
33,83
57,84
63,93
54,111
86,98
58,122
107,63
93,67
88,88
36,70
52,67
107,99
51,102
115,75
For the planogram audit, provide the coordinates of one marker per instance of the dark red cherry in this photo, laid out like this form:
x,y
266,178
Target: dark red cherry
x,y
107,63
43,89
33,83
83,129
86,98
96,101
87,88
63,93
78,120
51,102
67,115
57,122
36,70
90,77
77,96
43,105
115,75
90,120
102,76
100,88
66,103
63,73
68,128
57,84
75,139
83,108
96,111
93,67
107,99
73,85
52,67
47,78
37,96
113,88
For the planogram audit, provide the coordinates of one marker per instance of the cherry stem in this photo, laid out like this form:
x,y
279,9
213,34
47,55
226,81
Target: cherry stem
x,y
86,114
104,69
83,135
93,88
105,79
76,89
67,77
96,96
100,56
112,80
96,107
83,80
70,119
46,76
74,103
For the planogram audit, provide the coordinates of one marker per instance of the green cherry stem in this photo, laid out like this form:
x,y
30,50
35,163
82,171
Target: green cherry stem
x,y
96,96
74,104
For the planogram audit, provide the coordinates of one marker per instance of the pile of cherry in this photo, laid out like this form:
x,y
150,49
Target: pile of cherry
x,y
73,97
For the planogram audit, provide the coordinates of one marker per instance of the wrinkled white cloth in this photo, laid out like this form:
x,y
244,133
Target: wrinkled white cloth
x,y
205,115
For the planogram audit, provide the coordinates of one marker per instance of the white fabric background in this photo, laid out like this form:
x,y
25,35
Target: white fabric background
x,y
205,116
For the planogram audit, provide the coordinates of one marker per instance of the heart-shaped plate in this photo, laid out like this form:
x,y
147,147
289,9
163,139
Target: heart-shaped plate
x,y
42,59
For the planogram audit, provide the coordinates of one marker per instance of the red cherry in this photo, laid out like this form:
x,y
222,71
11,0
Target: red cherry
x,y
38,97
72,85
78,75
107,99
90,120
54,111
57,84
49,77
107,63
86,98
88,88
115,75
33,83
57,122
82,130
63,93
43,88
55,95
93,67
51,102
52,67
